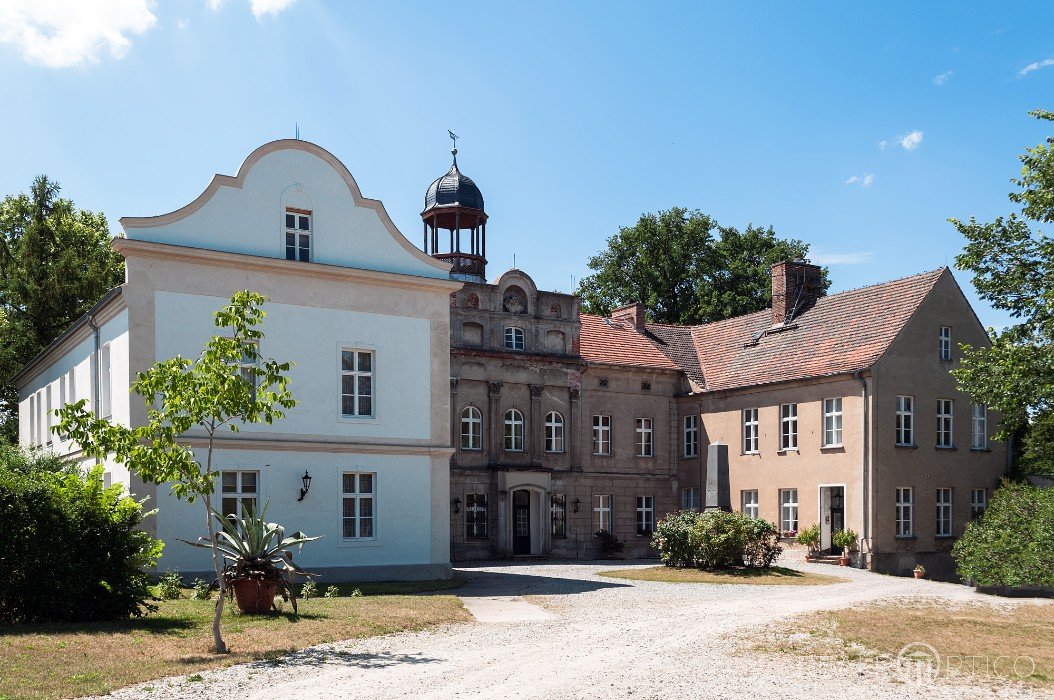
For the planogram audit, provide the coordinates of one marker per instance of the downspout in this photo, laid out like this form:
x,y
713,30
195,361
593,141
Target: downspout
x,y
97,379
864,464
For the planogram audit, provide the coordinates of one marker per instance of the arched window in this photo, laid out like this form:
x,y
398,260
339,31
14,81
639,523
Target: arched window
x,y
514,338
471,429
554,432
513,431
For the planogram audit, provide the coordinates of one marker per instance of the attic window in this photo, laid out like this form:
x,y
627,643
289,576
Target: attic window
x,y
602,383
298,235
645,386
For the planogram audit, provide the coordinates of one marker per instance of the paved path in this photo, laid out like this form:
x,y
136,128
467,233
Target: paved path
x,y
579,635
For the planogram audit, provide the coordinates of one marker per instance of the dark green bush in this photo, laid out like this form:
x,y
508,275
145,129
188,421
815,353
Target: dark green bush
x,y
715,539
72,550
1013,542
610,544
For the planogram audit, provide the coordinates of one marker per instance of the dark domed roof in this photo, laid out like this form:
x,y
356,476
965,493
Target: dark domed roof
x,y
454,189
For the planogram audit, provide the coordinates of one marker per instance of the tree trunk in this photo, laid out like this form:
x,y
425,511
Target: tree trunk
x,y
217,564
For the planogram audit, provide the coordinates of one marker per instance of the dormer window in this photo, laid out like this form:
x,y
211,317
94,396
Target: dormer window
x,y
513,338
298,235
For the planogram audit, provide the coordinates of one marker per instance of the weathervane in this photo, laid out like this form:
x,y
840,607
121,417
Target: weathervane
x,y
453,151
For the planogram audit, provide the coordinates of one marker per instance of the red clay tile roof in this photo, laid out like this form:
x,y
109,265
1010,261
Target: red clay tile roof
x,y
614,343
841,333
676,343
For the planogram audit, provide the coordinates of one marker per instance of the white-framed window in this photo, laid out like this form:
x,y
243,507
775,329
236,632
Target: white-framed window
x,y
832,422
979,431
554,432
904,512
945,343
358,492
247,366
476,516
750,431
513,431
32,419
298,235
601,513
690,498
691,435
514,338
645,515
49,416
749,503
945,421
105,402
905,420
471,428
789,510
645,438
558,515
601,435
978,503
239,493
944,512
356,383
789,426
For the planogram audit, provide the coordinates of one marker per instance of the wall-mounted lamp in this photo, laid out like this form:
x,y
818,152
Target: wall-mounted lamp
x,y
457,505
306,478
577,503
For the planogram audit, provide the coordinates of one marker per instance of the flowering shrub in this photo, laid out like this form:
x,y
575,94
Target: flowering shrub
x,y
715,539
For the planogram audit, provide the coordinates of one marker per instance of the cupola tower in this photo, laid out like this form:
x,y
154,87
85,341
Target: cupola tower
x,y
454,211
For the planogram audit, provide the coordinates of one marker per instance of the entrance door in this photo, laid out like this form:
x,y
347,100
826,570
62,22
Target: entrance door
x,y
521,522
837,512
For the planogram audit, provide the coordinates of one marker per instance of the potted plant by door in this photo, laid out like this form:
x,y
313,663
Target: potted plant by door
x,y
809,537
919,571
846,539
259,562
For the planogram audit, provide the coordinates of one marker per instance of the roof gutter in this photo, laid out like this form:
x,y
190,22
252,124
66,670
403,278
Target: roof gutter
x,y
864,463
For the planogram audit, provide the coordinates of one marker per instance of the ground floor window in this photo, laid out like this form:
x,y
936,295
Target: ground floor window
x,y
601,513
690,498
789,510
358,514
476,516
944,512
645,515
750,503
905,527
558,515
978,503
239,492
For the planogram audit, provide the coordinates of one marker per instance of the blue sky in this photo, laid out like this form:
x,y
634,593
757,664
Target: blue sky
x,y
857,128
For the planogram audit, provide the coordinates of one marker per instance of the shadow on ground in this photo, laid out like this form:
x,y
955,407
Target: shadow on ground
x,y
510,582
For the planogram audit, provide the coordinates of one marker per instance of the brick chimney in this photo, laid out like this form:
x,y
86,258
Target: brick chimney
x,y
630,314
796,284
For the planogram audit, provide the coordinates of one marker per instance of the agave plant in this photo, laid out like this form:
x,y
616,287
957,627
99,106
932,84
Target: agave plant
x,y
256,549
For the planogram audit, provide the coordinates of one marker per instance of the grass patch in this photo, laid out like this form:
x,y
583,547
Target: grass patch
x,y
977,642
773,576
72,660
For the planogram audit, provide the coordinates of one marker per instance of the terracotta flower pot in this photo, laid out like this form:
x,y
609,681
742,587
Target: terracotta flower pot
x,y
254,595
843,561
810,559
919,574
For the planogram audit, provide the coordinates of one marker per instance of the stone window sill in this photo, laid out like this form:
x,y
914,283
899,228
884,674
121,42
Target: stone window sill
x,y
906,537
833,447
946,448
906,447
980,449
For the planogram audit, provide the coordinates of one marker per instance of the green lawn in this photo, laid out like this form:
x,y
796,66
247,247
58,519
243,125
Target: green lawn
x,y
72,660
774,576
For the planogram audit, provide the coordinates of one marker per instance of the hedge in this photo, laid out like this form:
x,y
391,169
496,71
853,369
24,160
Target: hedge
x,y
715,539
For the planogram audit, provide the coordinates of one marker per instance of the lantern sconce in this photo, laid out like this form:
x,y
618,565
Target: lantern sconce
x,y
306,478
577,504
457,505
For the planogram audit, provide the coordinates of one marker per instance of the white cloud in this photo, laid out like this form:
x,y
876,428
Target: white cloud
x,y
882,144
1035,66
64,33
259,7
911,140
943,77
859,258
864,180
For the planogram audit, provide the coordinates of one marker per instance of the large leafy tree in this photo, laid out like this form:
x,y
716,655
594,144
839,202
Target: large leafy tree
x,y
55,263
1012,263
213,394
686,268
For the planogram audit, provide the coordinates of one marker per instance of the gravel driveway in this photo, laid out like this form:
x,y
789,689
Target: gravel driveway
x,y
603,638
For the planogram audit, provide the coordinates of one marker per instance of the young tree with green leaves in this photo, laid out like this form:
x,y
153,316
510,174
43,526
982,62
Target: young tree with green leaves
x,y
55,263
1013,269
214,393
686,268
